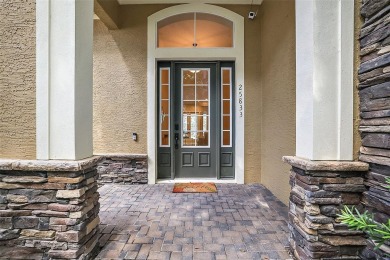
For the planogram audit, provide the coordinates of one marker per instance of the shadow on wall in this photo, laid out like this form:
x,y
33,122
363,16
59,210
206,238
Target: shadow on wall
x,y
119,102
278,92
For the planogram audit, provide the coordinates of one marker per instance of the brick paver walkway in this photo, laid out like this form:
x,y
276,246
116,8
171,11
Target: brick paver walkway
x,y
151,222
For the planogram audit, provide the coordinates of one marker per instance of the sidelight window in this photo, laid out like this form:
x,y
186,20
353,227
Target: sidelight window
x,y
165,107
226,107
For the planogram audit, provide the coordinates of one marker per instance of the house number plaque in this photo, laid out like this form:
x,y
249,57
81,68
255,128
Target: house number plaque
x,y
240,100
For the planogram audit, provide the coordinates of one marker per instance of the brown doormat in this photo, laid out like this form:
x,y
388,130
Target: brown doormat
x,y
202,187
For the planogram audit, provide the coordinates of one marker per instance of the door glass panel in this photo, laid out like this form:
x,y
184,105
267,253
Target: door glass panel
x,y
202,139
226,76
189,107
186,123
165,138
165,122
165,107
226,138
226,122
226,92
203,123
188,77
189,92
202,92
165,110
188,139
202,107
226,115
195,107
226,107
164,76
202,77
164,92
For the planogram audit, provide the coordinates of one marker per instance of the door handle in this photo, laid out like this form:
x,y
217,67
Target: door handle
x,y
176,141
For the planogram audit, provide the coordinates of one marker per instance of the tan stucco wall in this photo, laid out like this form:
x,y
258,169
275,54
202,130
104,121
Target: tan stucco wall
x,y
17,79
120,90
120,85
252,95
277,70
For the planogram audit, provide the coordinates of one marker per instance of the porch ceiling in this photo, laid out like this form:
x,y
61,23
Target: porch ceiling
x,y
245,2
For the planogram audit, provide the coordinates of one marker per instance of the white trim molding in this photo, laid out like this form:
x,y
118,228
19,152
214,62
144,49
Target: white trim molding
x,y
155,54
218,2
324,79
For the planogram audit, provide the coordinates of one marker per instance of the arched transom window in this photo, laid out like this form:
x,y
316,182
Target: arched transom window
x,y
195,30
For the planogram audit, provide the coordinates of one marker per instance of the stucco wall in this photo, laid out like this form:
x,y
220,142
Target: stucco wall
x,y
277,71
120,91
253,109
119,94
17,79
120,85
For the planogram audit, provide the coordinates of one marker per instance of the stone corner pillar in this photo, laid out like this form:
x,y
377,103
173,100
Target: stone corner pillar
x,y
49,209
319,190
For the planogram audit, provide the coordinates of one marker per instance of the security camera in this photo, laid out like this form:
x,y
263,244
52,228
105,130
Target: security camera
x,y
252,15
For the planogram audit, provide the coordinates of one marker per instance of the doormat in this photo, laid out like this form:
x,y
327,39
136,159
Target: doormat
x,y
202,187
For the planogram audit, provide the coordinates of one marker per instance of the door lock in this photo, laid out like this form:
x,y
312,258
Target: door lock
x,y
176,141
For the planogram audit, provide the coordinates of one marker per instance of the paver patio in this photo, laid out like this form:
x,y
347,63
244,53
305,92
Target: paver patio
x,y
151,222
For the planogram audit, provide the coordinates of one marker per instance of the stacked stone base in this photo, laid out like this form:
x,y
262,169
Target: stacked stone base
x,y
374,89
319,191
49,209
123,169
377,201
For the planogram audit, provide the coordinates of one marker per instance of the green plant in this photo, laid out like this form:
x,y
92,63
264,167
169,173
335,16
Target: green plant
x,y
378,232
388,182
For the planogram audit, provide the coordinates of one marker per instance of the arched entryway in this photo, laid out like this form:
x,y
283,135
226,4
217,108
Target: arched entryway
x,y
197,51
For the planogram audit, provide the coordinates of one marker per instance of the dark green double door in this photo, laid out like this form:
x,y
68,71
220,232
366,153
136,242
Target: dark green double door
x,y
195,119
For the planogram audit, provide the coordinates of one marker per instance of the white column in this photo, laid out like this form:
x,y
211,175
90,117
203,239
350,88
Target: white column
x,y
324,79
64,79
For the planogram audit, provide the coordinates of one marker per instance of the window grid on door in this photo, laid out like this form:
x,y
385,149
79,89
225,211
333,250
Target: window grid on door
x,y
226,107
165,107
195,95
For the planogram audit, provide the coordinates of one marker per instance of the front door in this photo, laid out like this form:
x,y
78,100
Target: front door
x,y
196,120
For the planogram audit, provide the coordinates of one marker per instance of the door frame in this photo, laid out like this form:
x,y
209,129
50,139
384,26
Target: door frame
x,y
236,54
215,146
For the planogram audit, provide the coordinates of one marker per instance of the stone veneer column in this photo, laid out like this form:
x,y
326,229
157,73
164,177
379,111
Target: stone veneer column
x,y
49,209
319,190
374,93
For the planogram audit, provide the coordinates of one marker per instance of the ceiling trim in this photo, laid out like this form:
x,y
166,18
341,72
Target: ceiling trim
x,y
242,2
